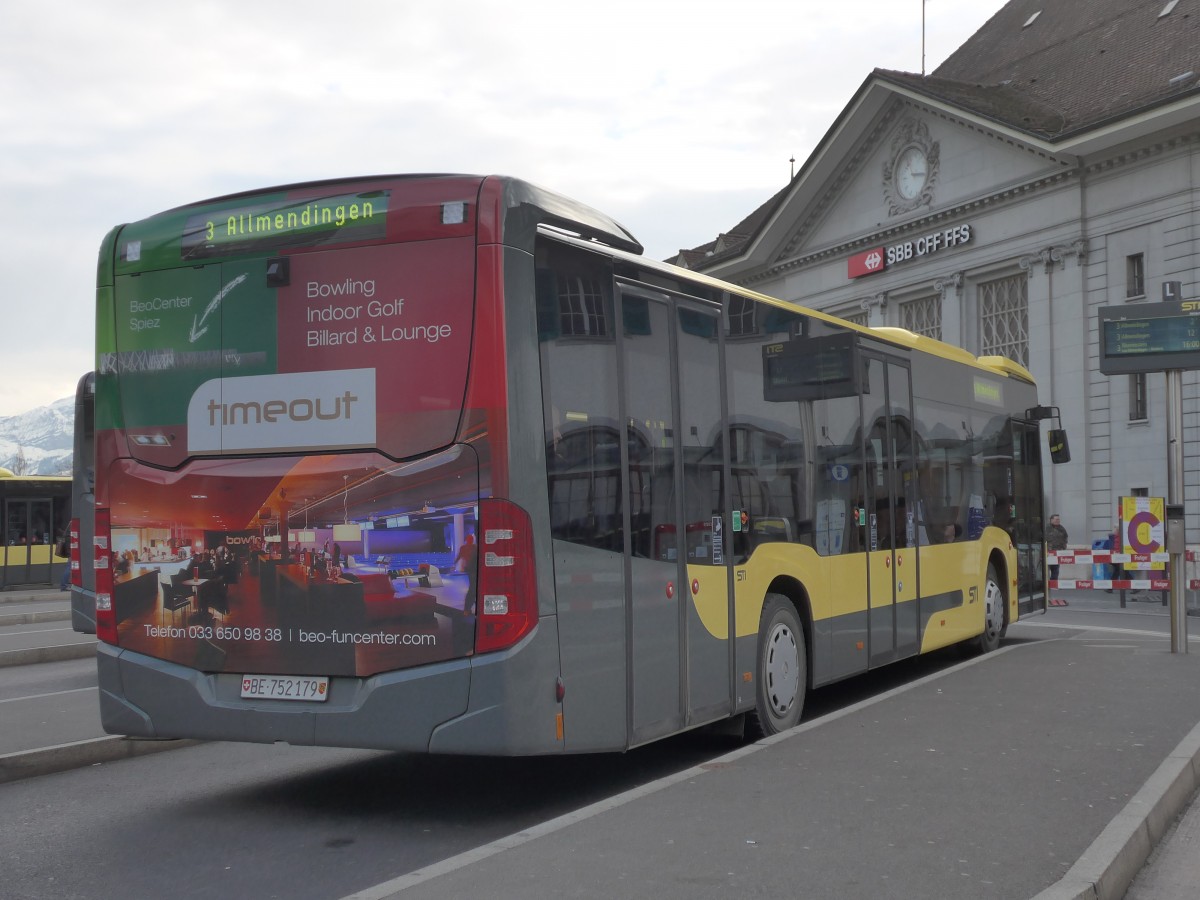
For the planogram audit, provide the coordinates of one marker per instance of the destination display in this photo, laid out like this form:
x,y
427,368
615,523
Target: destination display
x,y
1170,334
1149,337
285,224
811,368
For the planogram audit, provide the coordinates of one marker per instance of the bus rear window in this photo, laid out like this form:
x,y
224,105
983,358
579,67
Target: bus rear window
x,y
357,348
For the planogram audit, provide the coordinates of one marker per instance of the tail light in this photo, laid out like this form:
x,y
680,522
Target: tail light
x,y
506,591
76,572
106,617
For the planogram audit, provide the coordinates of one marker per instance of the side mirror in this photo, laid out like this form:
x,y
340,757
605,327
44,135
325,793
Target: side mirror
x,y
1060,450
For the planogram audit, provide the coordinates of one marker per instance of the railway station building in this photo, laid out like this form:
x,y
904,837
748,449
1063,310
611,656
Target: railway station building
x,y
1048,168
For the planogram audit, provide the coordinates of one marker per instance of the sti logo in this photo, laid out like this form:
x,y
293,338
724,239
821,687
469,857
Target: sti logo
x,y
866,263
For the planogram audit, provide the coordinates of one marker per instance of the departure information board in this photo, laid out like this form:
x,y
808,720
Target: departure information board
x,y
1149,337
812,368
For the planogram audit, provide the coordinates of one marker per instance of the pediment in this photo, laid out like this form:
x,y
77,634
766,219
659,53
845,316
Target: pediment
x,y
898,168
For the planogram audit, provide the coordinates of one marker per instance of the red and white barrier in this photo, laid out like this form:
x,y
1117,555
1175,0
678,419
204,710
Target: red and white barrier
x,y
1114,584
1090,557
1066,557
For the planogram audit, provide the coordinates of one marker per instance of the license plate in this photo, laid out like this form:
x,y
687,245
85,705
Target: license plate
x,y
285,687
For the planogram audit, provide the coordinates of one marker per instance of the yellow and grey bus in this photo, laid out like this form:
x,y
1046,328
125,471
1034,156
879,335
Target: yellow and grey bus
x,y
445,464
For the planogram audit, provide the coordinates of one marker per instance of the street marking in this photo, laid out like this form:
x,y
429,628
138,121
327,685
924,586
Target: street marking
x,y
1154,634
51,694
42,631
1079,612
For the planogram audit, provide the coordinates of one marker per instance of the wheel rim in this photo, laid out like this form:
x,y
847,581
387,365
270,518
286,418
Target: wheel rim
x,y
782,669
994,621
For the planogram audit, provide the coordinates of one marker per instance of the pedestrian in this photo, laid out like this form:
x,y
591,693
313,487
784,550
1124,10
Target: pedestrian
x,y
1056,541
1118,569
63,549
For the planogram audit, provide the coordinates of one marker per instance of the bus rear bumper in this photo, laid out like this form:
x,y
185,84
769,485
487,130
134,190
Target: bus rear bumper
x,y
147,697
500,703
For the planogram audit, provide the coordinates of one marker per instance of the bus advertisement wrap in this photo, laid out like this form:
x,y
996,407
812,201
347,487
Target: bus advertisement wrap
x,y
289,565
349,348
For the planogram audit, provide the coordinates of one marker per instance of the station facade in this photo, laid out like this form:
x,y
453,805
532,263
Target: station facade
x,y
1038,175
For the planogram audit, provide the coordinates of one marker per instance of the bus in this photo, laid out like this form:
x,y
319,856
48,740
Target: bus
x,y
83,501
34,512
444,464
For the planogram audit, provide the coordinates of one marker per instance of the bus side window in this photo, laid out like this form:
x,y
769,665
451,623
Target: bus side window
x,y
579,375
842,516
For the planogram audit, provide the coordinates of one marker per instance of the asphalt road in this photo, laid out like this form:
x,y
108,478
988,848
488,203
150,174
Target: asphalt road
x,y
933,778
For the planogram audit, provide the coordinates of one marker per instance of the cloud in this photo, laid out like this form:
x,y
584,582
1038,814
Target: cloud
x,y
678,121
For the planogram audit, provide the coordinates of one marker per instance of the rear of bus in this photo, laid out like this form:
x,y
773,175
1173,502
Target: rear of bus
x,y
307,527
83,502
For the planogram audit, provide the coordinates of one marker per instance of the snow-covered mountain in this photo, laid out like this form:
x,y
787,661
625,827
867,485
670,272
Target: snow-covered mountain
x,y
44,437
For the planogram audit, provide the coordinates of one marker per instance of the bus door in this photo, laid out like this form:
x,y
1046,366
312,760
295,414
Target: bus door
x,y
28,530
891,483
676,575
1028,529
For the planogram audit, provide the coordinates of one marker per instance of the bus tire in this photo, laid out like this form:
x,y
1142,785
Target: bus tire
x,y
781,670
993,613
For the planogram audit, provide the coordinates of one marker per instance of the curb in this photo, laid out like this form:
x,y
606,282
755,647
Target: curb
x,y
58,653
46,596
1114,859
35,618
61,757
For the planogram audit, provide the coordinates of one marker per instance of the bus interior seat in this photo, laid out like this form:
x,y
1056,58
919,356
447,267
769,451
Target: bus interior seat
x,y
767,529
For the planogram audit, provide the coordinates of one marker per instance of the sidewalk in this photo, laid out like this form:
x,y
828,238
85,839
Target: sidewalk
x,y
1173,872
1056,787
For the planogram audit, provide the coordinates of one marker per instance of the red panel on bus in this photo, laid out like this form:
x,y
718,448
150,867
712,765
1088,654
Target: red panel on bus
x,y
401,310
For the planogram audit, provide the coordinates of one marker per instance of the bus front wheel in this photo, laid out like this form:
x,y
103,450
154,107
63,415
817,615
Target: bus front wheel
x,y
782,669
993,613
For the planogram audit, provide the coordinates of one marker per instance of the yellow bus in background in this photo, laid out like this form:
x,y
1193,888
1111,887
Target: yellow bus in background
x,y
34,518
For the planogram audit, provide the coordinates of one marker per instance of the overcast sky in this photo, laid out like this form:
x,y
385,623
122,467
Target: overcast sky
x,y
678,119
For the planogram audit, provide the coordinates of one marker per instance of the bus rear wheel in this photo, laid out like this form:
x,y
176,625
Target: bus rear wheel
x,y
782,670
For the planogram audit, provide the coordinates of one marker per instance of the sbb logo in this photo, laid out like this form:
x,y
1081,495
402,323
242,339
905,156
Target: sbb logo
x,y
868,262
